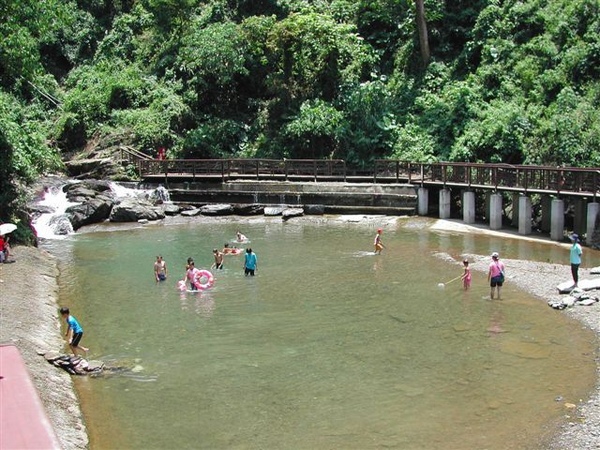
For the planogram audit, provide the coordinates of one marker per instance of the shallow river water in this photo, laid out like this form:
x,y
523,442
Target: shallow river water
x,y
327,347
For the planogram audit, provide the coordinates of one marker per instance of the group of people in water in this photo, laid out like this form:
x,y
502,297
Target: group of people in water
x,y
495,270
192,273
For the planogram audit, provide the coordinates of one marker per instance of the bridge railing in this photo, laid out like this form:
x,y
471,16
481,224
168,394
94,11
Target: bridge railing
x,y
247,168
508,177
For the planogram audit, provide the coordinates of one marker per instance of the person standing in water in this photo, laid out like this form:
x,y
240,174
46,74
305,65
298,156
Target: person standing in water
x,y
218,264
378,243
250,262
74,331
240,237
466,276
575,258
160,269
191,274
496,275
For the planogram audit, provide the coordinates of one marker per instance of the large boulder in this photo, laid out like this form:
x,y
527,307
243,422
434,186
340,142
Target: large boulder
x,y
133,210
94,210
94,199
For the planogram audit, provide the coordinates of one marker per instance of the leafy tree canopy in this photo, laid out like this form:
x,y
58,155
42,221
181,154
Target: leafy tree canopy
x,y
515,81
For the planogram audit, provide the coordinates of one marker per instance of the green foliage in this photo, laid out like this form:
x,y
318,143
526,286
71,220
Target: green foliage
x,y
315,131
214,138
511,81
313,55
370,110
24,150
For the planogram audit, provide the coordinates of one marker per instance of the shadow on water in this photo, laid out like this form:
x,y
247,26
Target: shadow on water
x,y
328,346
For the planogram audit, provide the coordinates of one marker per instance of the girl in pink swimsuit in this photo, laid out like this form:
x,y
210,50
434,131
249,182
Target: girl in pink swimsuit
x,y
466,277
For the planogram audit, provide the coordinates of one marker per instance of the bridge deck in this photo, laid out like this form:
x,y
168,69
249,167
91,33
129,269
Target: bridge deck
x,y
525,179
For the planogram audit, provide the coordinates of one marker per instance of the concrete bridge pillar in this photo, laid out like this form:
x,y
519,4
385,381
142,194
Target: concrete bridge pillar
x,y
469,207
557,220
445,203
423,201
524,214
592,213
546,213
495,211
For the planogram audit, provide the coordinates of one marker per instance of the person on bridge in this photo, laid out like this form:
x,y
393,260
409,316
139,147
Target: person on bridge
x,y
378,243
575,258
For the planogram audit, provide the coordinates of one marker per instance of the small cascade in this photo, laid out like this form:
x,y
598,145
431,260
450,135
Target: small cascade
x,y
54,223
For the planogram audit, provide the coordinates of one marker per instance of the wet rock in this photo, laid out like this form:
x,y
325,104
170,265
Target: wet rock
x,y
93,210
191,212
288,213
170,209
61,225
133,210
250,209
273,210
314,210
219,209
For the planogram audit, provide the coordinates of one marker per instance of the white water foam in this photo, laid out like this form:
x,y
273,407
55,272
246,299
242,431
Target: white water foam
x,y
55,199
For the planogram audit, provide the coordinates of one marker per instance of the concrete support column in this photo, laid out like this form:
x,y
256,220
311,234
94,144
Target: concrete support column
x,y
495,211
546,213
445,202
524,215
579,215
592,213
423,201
557,220
516,198
469,207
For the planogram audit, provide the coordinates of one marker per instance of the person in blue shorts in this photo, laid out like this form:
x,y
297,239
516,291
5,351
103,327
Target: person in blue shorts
x,y
74,331
250,262
160,269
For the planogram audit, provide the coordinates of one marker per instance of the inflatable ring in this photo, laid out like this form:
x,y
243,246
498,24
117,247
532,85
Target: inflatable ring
x,y
208,276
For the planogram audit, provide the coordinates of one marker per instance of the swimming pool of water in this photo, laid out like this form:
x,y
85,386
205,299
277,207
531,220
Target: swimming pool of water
x,y
328,347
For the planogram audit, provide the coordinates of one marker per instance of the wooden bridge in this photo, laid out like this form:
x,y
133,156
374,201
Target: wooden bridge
x,y
525,179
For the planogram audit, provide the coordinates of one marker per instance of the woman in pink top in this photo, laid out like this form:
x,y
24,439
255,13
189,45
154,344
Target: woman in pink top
x,y
496,275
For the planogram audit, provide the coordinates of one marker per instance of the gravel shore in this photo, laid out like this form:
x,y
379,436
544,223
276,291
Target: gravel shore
x,y
29,319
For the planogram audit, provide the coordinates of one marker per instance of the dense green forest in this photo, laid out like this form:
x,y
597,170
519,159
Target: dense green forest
x,y
513,81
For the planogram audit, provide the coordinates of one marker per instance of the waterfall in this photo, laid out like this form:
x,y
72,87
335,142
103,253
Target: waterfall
x,y
54,223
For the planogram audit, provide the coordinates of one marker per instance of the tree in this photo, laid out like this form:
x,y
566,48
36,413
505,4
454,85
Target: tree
x,y
422,27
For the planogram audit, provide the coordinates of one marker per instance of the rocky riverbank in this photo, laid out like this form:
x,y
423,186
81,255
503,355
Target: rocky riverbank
x,y
29,319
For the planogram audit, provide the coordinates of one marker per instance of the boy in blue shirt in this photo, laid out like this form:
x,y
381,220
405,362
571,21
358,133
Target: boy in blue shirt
x,y
74,331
